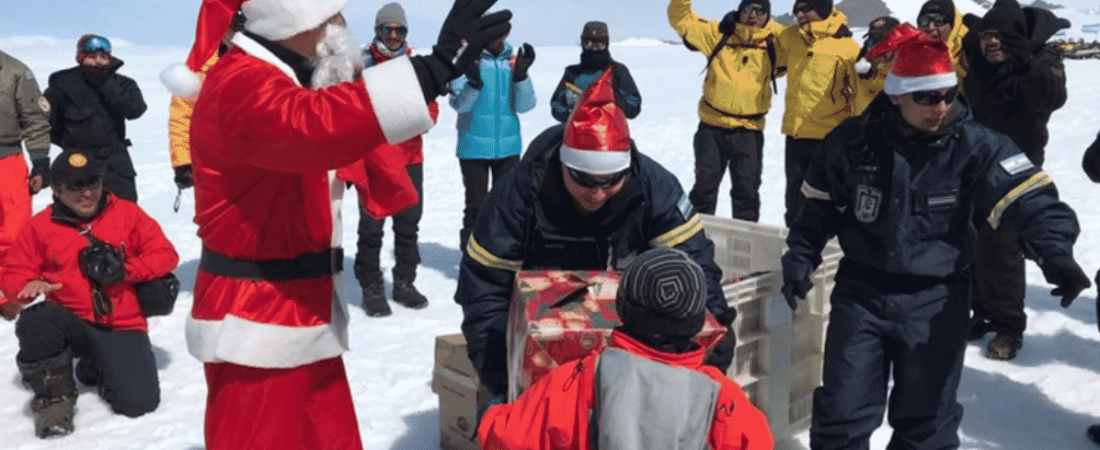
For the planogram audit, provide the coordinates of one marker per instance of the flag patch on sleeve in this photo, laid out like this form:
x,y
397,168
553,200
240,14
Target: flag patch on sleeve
x,y
1016,164
684,204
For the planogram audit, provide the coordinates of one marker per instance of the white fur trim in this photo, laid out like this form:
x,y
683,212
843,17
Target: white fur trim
x,y
253,344
595,162
896,85
279,19
180,80
863,66
398,102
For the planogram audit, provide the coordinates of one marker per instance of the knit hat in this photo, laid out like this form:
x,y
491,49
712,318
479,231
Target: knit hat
x,y
391,13
597,139
1005,16
595,30
75,168
944,7
824,8
921,63
662,293
89,44
271,19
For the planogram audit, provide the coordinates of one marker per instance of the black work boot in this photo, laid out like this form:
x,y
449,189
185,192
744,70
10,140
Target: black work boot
x,y
55,393
374,299
405,293
1004,346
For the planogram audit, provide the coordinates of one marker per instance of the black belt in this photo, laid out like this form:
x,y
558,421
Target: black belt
x,y
736,116
306,265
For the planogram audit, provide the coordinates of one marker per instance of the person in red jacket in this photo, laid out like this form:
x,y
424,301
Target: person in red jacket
x,y
91,309
648,390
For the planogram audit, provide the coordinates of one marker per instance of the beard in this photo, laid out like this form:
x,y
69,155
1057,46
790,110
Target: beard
x,y
339,58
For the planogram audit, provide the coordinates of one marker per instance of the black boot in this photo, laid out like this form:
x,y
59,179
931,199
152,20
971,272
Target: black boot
x,y
55,393
405,293
374,299
1094,433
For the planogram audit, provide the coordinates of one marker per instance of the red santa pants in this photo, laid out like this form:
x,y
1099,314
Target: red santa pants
x,y
15,199
307,407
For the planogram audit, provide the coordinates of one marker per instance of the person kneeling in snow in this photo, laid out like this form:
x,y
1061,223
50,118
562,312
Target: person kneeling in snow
x,y
91,309
650,389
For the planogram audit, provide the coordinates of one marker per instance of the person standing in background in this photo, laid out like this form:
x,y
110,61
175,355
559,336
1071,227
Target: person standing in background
x,y
595,58
489,99
941,21
737,94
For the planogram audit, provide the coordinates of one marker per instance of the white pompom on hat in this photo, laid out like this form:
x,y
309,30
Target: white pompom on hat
x,y
597,139
921,63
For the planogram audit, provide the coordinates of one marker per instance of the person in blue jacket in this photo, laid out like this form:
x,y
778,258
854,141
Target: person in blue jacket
x,y
488,100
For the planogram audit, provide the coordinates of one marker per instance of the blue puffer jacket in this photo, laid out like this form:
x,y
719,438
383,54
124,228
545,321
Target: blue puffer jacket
x,y
488,125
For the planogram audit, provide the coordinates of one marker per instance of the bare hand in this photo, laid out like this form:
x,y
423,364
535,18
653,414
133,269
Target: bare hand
x,y
34,288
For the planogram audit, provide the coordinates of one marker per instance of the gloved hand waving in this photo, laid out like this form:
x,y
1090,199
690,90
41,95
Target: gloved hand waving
x,y
466,21
524,58
1067,276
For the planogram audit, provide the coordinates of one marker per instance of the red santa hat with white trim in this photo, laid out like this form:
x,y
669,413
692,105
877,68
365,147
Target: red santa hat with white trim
x,y
597,139
271,19
921,63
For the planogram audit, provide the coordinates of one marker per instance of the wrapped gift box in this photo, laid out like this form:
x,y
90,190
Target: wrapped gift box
x,y
560,316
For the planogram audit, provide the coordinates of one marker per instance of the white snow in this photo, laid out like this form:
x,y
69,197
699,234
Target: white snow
x,y
1043,400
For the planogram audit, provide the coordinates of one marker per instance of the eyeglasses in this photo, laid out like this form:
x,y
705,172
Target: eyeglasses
x,y
596,181
96,44
594,45
938,19
753,8
929,98
385,30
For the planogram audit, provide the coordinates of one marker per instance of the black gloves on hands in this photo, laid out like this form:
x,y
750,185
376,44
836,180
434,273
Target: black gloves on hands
x,y
96,76
473,76
729,22
1018,49
793,292
524,58
466,21
183,177
721,356
40,167
1067,276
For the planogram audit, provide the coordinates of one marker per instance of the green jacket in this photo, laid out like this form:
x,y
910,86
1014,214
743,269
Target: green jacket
x,y
21,116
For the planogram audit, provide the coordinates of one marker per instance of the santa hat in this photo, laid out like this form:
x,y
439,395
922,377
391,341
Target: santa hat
x,y
597,140
271,19
921,63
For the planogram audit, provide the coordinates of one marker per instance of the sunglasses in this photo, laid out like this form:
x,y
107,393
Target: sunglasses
x,y
938,19
385,30
594,45
929,98
596,181
753,8
95,184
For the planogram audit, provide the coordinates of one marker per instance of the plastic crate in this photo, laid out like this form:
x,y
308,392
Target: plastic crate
x,y
742,247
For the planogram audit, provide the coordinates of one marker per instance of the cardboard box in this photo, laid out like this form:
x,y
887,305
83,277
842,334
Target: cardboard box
x,y
455,382
560,316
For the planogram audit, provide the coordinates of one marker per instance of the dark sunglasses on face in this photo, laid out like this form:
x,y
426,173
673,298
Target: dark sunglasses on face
x,y
385,30
753,8
594,44
929,98
596,181
937,19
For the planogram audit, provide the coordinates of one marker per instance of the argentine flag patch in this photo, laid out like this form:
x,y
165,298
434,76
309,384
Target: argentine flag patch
x,y
686,210
1016,164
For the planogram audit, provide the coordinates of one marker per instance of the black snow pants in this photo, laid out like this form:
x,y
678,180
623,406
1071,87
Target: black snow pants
x,y
911,328
1001,281
475,178
120,363
741,150
799,155
406,226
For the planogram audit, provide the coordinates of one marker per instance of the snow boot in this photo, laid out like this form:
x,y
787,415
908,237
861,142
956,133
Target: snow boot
x,y
374,299
55,393
1004,346
1094,433
405,293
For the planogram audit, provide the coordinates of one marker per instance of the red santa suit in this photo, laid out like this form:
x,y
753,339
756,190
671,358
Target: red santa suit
x,y
263,148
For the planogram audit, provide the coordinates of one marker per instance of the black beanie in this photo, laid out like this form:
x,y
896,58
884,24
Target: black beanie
x,y
76,168
1005,16
662,293
823,7
945,7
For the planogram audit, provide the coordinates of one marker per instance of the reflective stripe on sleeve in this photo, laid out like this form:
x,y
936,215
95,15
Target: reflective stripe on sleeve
x,y
814,193
1032,184
679,234
482,256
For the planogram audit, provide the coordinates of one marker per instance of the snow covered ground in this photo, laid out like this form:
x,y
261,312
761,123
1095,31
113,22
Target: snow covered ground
x,y
1043,400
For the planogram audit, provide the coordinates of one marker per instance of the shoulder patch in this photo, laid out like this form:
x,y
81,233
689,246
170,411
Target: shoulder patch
x,y
1016,163
685,207
29,76
44,104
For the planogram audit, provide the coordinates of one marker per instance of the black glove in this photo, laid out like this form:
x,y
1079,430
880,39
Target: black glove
x,y
97,76
1091,161
729,23
797,290
1018,49
473,76
721,356
183,177
524,58
1063,272
40,167
101,262
466,21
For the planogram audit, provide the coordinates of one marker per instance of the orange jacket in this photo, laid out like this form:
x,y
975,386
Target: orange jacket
x,y
554,412
47,249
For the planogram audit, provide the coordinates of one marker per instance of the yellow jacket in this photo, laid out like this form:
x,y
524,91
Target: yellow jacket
x,y
821,76
869,87
955,46
737,92
179,123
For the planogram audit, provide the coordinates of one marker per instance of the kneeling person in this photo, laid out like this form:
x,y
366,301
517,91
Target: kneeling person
x,y
91,310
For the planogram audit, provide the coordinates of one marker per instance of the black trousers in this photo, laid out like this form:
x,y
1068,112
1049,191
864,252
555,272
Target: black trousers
x,y
741,151
121,361
475,178
1001,281
406,226
919,339
799,155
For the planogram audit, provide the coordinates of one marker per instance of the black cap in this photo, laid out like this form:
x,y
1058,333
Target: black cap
x,y
595,30
662,293
945,7
75,168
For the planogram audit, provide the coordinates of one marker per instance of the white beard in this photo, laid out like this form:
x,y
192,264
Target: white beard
x,y
339,58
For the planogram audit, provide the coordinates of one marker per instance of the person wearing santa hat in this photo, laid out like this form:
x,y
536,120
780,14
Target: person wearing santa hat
x,y
902,187
582,198
1016,81
274,117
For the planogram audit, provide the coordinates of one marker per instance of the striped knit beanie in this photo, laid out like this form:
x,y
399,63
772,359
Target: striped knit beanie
x,y
662,293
